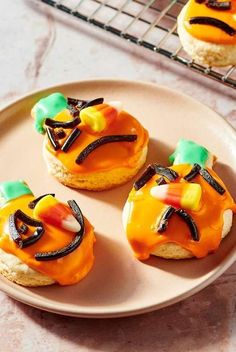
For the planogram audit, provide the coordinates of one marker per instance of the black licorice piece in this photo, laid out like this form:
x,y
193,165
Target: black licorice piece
x,y
193,172
170,174
211,181
200,1
60,134
96,101
38,233
13,231
33,203
74,111
144,178
101,141
214,22
76,102
162,226
52,255
52,138
190,222
161,181
16,233
23,229
60,124
219,5
70,139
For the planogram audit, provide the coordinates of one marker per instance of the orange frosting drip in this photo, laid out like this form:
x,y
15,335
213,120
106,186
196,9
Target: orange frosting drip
x,y
104,158
145,212
67,270
209,33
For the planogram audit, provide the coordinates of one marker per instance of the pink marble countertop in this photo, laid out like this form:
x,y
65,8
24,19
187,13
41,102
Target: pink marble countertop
x,y
40,47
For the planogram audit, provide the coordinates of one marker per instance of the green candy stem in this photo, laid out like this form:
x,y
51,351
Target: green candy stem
x,y
10,190
48,107
189,152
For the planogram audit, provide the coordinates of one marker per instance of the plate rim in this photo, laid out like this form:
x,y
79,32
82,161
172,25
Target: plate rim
x,y
116,313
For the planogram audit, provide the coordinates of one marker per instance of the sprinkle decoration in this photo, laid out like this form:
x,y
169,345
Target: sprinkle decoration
x,y
190,222
60,124
163,224
211,181
193,173
16,233
33,203
52,255
214,22
70,139
101,141
52,138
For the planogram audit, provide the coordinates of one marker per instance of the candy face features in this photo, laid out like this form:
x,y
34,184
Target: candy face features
x,y
10,190
211,21
180,195
48,107
40,231
183,205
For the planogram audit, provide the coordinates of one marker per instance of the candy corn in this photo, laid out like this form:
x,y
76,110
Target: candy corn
x,y
179,195
99,117
52,212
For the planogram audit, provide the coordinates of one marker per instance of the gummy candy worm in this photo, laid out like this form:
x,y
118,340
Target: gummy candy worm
x,y
213,22
52,255
104,140
16,233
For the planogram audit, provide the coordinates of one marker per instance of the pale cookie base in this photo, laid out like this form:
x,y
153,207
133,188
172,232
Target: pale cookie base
x,y
93,181
16,271
203,52
172,250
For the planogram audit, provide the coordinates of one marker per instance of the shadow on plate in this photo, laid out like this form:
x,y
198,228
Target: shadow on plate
x,y
102,285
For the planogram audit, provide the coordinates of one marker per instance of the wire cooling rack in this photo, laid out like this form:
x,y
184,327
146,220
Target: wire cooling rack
x,y
148,23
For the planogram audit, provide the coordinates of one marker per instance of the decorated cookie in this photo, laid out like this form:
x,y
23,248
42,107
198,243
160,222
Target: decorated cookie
x,y
207,30
180,211
42,241
91,145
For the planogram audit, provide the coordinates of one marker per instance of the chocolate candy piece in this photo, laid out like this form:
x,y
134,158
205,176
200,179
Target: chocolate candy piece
x,y
214,22
104,140
52,255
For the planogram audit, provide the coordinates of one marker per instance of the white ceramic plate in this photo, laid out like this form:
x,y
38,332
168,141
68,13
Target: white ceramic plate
x,y
120,285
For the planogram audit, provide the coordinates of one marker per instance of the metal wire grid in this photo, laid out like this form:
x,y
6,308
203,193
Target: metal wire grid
x,y
148,23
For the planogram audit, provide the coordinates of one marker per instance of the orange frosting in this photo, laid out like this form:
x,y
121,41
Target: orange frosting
x,y
209,33
106,157
145,212
66,270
